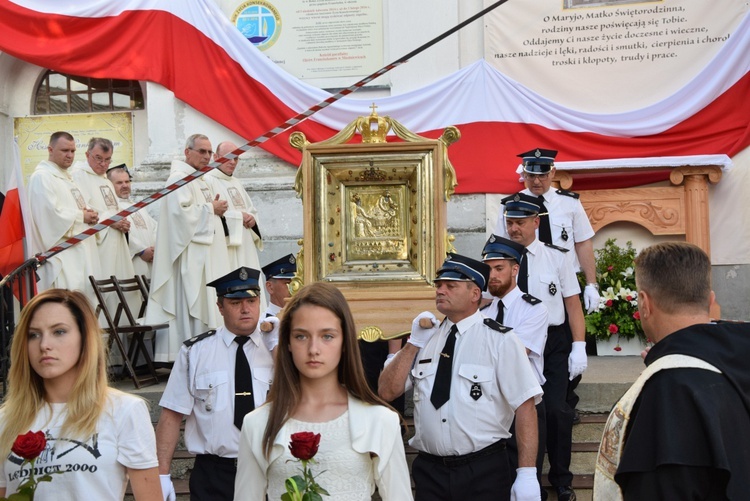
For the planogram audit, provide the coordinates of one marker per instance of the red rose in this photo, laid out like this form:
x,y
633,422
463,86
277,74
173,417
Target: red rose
x,y
637,315
617,348
610,268
304,445
30,445
629,297
609,303
613,328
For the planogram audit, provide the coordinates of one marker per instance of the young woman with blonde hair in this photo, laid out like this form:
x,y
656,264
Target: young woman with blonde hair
x,y
97,437
319,386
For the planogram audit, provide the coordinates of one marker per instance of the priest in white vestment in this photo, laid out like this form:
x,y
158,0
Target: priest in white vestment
x,y
142,234
240,221
58,212
190,251
99,194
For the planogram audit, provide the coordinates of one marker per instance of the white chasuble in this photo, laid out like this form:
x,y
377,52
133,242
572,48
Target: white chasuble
x,y
56,204
190,251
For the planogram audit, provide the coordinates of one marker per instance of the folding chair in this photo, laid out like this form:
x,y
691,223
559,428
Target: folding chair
x,y
101,289
136,329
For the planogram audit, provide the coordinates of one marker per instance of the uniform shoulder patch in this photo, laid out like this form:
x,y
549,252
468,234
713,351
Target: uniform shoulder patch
x,y
567,193
494,325
531,299
553,246
200,337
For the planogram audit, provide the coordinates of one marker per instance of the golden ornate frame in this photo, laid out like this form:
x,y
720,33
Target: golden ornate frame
x,y
375,219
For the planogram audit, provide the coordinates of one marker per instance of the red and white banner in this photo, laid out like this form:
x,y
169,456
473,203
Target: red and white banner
x,y
176,42
13,218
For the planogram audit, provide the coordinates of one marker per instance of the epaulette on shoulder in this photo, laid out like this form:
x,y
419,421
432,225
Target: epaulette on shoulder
x,y
495,326
553,246
567,193
531,299
200,337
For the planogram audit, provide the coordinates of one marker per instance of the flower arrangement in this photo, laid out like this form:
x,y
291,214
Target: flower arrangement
x,y
28,446
304,446
617,313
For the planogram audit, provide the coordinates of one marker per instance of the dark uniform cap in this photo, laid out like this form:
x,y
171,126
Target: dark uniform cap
x,y
538,161
284,267
464,269
521,205
242,282
502,248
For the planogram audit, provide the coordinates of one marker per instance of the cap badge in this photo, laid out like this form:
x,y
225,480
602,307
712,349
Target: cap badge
x,y
292,260
537,153
243,274
517,198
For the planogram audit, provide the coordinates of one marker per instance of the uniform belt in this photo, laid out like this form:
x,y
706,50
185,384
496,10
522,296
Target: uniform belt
x,y
213,458
466,458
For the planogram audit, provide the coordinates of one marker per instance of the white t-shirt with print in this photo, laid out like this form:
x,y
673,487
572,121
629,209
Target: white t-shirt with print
x,y
94,468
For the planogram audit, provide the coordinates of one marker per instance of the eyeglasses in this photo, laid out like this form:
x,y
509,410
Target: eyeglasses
x,y
531,177
101,160
202,151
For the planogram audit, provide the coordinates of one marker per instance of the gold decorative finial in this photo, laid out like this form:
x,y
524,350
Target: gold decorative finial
x,y
373,128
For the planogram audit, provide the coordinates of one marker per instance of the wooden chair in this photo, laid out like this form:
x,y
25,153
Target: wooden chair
x,y
102,290
136,328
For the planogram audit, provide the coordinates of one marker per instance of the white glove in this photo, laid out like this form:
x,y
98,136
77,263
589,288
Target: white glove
x,y
577,361
271,338
167,488
590,297
526,487
419,335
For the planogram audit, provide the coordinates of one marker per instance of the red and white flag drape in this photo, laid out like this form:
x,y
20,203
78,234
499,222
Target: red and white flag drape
x,y
191,48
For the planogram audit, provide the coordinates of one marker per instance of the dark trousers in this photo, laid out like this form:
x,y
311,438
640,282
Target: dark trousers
x,y
513,444
559,413
212,478
486,478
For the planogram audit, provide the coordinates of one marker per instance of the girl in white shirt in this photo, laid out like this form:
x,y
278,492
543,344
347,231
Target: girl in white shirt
x,y
319,386
96,437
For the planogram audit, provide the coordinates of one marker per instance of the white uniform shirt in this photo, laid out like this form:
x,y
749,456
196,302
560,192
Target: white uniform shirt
x,y
273,310
486,359
552,277
206,395
566,217
529,323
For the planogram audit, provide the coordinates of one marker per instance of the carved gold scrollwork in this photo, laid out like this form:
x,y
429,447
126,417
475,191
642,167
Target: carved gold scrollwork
x,y
297,282
648,211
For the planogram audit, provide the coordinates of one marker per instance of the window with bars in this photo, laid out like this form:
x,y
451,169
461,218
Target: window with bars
x,y
59,93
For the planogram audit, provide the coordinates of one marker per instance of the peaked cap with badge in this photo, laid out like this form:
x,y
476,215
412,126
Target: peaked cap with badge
x,y
464,269
284,267
502,248
241,283
520,205
538,161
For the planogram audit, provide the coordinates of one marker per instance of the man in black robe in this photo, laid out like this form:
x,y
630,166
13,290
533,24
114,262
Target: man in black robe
x,y
689,431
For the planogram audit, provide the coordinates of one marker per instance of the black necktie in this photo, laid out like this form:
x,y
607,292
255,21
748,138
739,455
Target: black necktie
x,y
243,384
523,274
500,312
545,231
441,391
